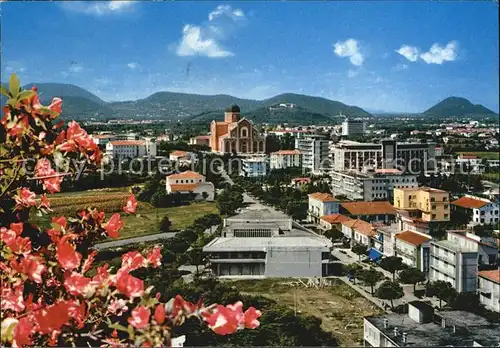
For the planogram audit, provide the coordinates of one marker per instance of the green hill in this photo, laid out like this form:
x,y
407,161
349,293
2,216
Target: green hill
x,y
456,106
47,91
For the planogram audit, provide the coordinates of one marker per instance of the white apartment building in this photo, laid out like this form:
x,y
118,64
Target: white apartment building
x,y
407,157
489,289
131,148
321,204
254,167
102,139
314,150
481,210
372,185
486,247
454,264
353,127
285,159
191,182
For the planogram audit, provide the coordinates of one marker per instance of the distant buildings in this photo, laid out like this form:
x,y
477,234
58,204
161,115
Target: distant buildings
x,y
122,149
371,185
328,222
262,243
358,231
489,289
235,135
423,327
190,182
254,167
314,150
481,210
285,159
321,204
353,127
300,182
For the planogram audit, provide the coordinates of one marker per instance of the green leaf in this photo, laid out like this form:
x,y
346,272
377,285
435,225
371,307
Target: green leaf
x,y
14,85
4,91
12,102
26,95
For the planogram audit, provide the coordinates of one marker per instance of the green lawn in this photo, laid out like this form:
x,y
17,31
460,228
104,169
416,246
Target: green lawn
x,y
483,154
147,219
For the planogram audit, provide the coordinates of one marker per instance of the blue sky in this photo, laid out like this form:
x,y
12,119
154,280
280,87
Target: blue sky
x,y
393,56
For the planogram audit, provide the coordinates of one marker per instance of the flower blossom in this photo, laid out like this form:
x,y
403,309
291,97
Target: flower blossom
x,y
131,205
140,317
25,198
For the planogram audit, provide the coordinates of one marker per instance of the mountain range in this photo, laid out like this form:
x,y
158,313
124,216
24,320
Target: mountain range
x,y
284,108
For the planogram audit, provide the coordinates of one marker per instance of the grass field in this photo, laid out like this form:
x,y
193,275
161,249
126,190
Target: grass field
x,y
484,154
340,308
145,222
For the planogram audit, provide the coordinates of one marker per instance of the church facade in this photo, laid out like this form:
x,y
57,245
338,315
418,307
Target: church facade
x,y
236,135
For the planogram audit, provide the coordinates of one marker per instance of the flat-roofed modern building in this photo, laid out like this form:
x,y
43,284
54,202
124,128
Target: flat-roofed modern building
x,y
353,127
489,289
314,150
423,327
264,243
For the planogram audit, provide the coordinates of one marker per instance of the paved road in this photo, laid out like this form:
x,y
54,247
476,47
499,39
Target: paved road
x,y
122,242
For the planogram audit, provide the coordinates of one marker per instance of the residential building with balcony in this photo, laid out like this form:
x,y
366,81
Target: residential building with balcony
x,y
263,243
285,159
254,167
122,149
482,211
321,204
314,149
425,327
413,248
328,222
489,289
353,127
454,264
371,185
358,231
378,211
486,247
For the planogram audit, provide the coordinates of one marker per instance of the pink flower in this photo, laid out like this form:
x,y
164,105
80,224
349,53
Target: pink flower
x,y
50,319
223,321
154,257
78,285
12,299
56,105
160,314
140,317
67,256
251,315
118,307
131,205
89,261
113,226
44,202
33,267
52,185
61,221
132,261
21,245
48,176
22,332
129,285
25,198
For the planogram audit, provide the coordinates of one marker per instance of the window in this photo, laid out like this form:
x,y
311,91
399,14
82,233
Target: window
x,y
433,216
482,221
433,199
445,216
433,207
446,206
482,213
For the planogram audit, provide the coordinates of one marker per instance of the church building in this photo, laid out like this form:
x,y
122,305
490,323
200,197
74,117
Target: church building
x,y
236,135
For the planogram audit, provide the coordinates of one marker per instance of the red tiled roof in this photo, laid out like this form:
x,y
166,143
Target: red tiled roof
x,y
361,226
493,275
412,237
203,137
467,157
179,153
127,142
335,218
307,180
388,171
369,208
286,152
323,197
469,202
186,175
102,136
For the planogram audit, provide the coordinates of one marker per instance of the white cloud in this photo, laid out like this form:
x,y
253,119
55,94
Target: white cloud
x,y
409,52
97,8
225,10
193,44
349,48
205,39
436,54
133,65
439,55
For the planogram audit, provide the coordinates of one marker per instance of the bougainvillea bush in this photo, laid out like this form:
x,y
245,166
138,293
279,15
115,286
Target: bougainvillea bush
x,y
48,296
